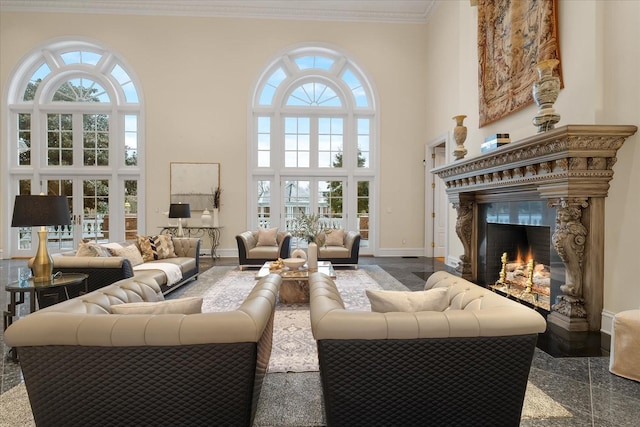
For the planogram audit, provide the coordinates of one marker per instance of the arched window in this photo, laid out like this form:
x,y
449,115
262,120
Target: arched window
x,y
75,129
314,143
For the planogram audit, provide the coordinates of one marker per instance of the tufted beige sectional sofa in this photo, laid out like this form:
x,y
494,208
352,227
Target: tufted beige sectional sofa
x,y
466,365
103,271
83,365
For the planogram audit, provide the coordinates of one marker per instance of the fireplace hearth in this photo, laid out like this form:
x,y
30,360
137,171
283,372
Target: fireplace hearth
x,y
562,176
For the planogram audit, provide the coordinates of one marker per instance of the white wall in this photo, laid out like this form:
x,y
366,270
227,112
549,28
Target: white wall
x,y
600,57
197,74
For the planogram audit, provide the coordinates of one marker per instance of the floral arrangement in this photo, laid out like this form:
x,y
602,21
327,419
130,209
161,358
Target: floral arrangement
x,y
215,197
307,227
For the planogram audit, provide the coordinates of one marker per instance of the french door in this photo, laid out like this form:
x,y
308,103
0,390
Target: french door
x,y
89,205
339,202
316,196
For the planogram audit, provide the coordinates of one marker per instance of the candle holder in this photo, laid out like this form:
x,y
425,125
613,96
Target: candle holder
x,y
503,271
529,276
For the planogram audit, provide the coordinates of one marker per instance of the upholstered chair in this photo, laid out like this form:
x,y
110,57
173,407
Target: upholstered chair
x,y
262,245
340,247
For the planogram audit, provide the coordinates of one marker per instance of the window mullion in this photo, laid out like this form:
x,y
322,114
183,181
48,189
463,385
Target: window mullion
x,y
313,142
78,140
277,142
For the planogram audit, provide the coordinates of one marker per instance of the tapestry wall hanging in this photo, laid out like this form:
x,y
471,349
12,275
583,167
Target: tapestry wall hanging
x,y
513,36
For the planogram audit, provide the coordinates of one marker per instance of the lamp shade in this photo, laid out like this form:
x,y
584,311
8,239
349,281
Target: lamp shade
x,y
30,211
179,210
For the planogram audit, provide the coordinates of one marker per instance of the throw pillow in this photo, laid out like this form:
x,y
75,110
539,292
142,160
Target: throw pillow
x,y
112,245
156,247
130,252
101,250
92,249
191,305
267,236
436,299
86,249
334,237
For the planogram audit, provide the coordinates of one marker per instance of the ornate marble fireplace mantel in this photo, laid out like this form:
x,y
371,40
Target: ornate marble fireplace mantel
x,y
570,167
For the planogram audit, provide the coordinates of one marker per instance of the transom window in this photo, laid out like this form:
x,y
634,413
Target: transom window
x,y
81,90
314,94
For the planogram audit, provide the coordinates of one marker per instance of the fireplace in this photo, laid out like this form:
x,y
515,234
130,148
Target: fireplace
x,y
555,180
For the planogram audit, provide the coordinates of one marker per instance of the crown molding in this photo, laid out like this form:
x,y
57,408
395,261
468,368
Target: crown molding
x,y
383,11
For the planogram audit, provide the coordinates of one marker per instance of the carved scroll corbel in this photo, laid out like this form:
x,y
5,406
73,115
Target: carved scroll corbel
x,y
569,240
464,229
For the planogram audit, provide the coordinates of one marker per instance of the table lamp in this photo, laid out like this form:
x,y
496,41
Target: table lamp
x,y
179,210
31,211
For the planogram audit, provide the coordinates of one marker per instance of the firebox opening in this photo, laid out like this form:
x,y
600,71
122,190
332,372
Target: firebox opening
x,y
518,262
526,241
525,226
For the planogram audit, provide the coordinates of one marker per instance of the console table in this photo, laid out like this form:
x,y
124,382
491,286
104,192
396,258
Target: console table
x,y
198,231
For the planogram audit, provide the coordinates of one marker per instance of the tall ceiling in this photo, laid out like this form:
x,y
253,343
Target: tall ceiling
x,y
393,11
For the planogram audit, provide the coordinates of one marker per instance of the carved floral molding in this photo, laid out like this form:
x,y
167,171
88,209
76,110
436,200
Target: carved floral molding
x,y
584,154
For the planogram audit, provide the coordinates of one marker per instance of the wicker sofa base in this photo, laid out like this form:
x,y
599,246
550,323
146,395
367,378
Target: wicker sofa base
x,y
195,385
470,381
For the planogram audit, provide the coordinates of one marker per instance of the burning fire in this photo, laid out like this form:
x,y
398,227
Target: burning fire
x,y
523,272
519,258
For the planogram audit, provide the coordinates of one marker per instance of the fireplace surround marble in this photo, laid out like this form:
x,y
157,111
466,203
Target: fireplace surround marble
x,y
570,168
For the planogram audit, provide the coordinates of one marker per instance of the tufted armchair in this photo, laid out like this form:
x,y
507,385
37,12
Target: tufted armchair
x,y
344,252
250,254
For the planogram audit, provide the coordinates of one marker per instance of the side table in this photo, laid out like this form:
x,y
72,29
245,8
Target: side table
x,y
36,290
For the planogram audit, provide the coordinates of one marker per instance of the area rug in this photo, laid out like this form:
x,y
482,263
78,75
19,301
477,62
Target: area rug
x,y
294,349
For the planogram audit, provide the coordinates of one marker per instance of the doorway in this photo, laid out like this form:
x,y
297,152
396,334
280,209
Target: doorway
x,y
436,213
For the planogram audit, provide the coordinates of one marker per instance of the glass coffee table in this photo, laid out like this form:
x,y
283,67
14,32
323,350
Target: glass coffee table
x,y
295,283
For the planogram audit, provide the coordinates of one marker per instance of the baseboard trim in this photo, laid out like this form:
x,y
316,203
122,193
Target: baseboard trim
x,y
452,261
400,252
606,323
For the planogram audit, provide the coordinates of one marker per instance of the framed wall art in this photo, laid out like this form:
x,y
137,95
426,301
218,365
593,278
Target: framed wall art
x,y
513,36
194,183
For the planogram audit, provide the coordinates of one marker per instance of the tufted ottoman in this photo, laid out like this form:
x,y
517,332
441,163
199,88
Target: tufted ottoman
x,y
625,345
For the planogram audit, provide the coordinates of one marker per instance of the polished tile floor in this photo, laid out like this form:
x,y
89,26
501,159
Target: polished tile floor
x,y
572,369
